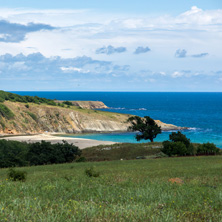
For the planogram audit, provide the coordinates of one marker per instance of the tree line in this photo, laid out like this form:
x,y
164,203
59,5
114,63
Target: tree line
x,y
18,154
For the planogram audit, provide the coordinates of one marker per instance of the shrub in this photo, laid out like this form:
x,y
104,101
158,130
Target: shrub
x,y
32,115
91,172
207,149
81,159
179,137
6,112
24,99
17,175
13,153
174,148
47,153
67,103
27,105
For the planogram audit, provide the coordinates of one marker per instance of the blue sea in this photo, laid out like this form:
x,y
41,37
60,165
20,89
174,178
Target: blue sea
x,y
201,112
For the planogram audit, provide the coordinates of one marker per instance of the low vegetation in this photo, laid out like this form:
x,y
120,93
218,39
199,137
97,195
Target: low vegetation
x,y
167,189
124,151
7,96
17,175
14,153
5,112
180,145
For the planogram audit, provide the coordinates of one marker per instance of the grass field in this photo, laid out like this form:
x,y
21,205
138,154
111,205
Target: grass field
x,y
133,190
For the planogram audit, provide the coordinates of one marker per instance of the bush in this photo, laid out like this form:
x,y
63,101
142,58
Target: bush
x,y
17,154
47,153
68,103
24,99
81,159
32,115
91,172
13,154
179,145
5,112
174,148
17,175
207,149
27,105
179,137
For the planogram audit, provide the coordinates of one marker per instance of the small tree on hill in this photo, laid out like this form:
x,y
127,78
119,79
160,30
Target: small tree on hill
x,y
147,127
179,137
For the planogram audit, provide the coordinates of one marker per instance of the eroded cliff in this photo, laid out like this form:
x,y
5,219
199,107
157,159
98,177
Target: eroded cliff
x,y
34,118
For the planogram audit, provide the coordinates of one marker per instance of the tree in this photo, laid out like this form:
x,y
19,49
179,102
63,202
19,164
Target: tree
x,y
179,137
147,127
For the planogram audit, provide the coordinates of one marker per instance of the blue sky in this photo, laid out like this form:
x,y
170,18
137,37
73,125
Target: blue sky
x,y
111,45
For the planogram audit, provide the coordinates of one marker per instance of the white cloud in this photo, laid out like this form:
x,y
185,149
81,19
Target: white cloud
x,y
82,32
74,69
177,74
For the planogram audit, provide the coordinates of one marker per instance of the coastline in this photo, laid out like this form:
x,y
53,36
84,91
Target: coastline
x,y
79,142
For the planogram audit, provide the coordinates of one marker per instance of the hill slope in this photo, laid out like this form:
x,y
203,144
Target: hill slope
x,y
23,118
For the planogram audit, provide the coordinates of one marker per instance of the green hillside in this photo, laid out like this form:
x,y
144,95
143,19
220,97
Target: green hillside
x,y
7,96
168,189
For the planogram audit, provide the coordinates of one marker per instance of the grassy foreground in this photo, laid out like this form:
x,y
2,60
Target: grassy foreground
x,y
134,190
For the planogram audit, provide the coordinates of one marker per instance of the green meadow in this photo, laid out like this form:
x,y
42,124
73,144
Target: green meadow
x,y
163,189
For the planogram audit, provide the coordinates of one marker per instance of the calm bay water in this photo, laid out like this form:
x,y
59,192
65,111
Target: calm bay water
x,y
202,112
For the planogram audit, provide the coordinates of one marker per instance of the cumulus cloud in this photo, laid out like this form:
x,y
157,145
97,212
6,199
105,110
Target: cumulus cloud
x,y
201,55
36,63
177,74
14,32
181,53
141,49
73,69
110,50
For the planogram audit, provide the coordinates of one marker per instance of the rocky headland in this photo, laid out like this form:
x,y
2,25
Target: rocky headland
x,y
39,118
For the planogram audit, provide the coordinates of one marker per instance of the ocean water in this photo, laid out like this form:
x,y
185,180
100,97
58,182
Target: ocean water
x,y
201,112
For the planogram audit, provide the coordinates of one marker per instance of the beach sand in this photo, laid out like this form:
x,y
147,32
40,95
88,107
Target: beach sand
x,y
79,142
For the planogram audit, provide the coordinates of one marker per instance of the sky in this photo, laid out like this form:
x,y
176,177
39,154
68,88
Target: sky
x,y
97,45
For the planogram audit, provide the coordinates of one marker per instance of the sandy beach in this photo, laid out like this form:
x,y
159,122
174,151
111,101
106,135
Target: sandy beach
x,y
81,143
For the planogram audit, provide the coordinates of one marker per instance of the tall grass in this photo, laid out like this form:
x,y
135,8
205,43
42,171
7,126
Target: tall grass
x,y
137,190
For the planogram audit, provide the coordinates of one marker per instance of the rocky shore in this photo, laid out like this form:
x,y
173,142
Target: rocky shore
x,y
36,119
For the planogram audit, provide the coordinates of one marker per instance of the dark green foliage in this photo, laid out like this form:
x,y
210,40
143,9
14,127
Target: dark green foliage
x,y
5,112
61,104
47,153
91,172
81,159
17,175
68,103
180,145
27,105
179,137
2,124
174,148
207,149
13,153
147,128
24,99
33,116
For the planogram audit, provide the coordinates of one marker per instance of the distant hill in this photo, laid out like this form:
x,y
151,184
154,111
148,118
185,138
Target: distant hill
x,y
30,115
7,96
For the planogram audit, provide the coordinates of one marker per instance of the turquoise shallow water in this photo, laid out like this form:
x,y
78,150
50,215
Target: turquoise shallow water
x,y
202,112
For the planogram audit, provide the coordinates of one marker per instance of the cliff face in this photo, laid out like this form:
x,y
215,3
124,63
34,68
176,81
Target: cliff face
x,y
41,118
87,104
